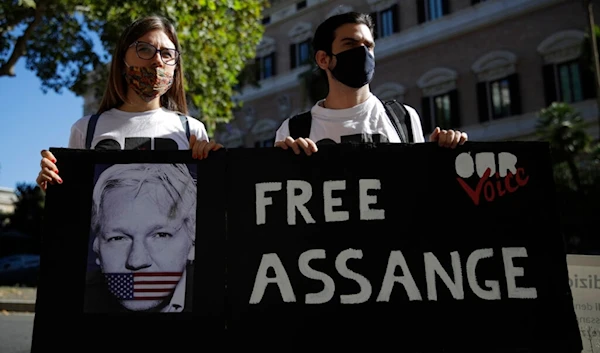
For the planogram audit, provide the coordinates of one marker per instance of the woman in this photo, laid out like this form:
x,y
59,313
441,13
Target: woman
x,y
144,104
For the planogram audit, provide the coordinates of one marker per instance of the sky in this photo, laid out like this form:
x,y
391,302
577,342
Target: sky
x,y
30,121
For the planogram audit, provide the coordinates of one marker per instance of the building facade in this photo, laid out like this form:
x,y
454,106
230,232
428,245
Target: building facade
x,y
481,66
7,200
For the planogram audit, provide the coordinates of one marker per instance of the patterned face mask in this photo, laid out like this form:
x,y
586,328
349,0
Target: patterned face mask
x,y
148,82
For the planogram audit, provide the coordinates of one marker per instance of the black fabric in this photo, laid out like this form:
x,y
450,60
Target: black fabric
x,y
336,220
91,128
300,125
517,218
400,119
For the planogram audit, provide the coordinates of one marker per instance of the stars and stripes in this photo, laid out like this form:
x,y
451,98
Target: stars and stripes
x,y
142,285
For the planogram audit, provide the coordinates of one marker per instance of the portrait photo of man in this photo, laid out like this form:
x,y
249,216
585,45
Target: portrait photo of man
x,y
142,239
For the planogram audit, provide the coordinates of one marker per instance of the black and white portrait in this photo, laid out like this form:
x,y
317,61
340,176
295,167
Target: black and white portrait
x,y
142,238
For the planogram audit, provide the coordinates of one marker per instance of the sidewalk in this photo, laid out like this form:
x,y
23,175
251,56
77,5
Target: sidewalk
x,y
21,299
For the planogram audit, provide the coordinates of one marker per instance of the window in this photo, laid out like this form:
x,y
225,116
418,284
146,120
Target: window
x,y
299,53
498,93
566,77
300,44
265,67
386,20
428,10
300,5
569,82
265,62
266,20
433,9
500,97
439,104
440,111
442,114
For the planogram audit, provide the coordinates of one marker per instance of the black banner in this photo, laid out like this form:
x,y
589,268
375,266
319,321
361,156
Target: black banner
x,y
416,247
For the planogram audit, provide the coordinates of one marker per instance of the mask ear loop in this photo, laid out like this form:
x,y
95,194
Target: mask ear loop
x,y
332,55
127,66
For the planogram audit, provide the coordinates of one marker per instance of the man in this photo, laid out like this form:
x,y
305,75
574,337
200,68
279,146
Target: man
x,y
343,47
143,230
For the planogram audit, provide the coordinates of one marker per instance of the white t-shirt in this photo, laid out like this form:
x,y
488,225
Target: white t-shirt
x,y
158,129
366,122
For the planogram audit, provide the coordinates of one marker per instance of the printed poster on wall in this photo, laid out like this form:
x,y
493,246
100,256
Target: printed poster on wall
x,y
584,280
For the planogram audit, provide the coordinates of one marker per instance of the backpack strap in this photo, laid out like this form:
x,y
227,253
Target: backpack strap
x,y
186,124
299,125
91,128
400,118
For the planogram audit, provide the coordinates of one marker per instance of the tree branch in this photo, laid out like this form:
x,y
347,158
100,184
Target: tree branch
x,y
8,68
16,17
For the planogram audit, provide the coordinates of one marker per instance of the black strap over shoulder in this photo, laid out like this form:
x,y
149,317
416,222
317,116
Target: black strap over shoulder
x,y
300,124
400,118
90,130
186,124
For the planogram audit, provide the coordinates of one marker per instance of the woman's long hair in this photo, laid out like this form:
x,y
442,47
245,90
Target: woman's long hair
x,y
115,93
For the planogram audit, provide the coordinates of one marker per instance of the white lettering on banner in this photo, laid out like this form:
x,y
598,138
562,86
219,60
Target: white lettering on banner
x,y
344,271
329,201
263,201
367,213
511,272
433,266
328,285
466,166
297,201
491,183
281,279
494,286
397,259
433,269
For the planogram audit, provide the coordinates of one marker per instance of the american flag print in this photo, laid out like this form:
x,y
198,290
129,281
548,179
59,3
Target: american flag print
x,y
142,285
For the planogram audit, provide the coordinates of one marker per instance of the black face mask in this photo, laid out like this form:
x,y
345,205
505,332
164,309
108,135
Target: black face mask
x,y
354,67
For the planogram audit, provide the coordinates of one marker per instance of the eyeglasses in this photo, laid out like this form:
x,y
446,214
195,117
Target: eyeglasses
x,y
147,51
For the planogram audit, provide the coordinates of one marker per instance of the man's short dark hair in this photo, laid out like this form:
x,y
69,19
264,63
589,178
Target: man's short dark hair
x,y
325,33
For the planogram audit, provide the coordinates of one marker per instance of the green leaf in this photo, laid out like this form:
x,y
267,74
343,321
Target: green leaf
x,y
218,38
27,3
